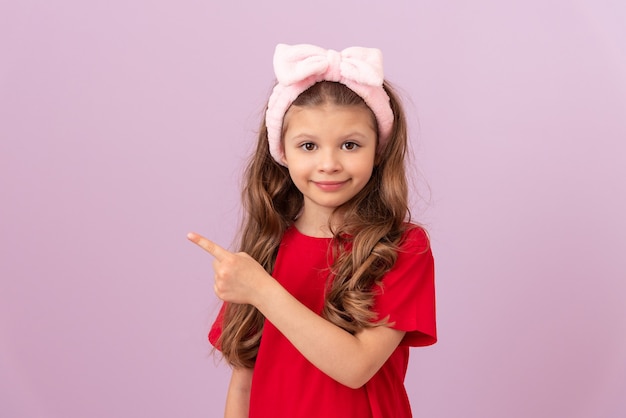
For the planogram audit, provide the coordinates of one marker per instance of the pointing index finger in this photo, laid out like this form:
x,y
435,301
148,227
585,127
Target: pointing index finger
x,y
209,246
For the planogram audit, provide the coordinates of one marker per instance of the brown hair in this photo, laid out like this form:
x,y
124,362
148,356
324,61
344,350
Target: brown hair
x,y
372,225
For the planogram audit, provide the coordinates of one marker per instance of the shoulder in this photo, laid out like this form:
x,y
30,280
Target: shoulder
x,y
414,239
412,249
414,261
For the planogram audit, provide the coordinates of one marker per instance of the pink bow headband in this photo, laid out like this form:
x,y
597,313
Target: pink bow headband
x,y
298,67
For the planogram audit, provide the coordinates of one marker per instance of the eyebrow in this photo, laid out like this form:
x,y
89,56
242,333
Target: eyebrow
x,y
307,136
301,136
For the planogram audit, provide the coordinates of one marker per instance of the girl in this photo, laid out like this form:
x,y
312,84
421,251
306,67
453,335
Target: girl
x,y
332,284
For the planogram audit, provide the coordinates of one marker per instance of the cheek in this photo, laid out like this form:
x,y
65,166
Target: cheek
x,y
296,173
366,166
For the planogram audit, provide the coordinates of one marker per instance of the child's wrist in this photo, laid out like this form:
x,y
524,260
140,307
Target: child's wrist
x,y
264,292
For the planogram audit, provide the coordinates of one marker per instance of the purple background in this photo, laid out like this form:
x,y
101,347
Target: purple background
x,y
125,124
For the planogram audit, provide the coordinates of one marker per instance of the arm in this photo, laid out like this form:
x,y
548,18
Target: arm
x,y
238,396
349,359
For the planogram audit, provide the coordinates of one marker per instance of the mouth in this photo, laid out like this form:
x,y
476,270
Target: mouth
x,y
330,186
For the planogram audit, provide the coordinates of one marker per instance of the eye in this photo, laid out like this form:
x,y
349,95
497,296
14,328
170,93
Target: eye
x,y
350,146
308,146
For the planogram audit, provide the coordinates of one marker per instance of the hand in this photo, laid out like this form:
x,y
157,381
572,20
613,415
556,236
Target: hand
x,y
237,275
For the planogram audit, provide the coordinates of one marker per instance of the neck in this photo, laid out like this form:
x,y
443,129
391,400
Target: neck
x,y
317,224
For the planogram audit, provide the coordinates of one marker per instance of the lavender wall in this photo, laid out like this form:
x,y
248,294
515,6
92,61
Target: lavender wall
x,y
124,124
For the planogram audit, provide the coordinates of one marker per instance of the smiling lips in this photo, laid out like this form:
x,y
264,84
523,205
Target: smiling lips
x,y
329,186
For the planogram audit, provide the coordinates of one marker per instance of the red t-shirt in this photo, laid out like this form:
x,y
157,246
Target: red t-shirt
x,y
285,384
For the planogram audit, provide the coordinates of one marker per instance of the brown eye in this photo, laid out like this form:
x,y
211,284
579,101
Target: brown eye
x,y
350,146
308,146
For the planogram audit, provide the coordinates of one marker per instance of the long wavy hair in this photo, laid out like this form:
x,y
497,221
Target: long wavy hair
x,y
365,244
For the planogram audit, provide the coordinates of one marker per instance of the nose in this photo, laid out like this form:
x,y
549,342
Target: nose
x,y
329,161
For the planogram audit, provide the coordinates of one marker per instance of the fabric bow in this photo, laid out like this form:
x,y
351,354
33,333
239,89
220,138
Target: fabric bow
x,y
294,63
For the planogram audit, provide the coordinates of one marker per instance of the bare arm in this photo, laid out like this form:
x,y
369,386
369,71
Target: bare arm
x,y
349,359
238,396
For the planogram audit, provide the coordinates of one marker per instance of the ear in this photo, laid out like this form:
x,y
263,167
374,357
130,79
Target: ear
x,y
283,158
377,158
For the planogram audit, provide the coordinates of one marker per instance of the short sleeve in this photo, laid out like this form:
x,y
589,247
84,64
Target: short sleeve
x,y
406,294
216,329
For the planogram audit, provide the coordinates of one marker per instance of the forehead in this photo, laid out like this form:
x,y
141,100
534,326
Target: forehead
x,y
329,115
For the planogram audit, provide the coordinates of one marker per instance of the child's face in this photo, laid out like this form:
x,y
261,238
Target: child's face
x,y
330,152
